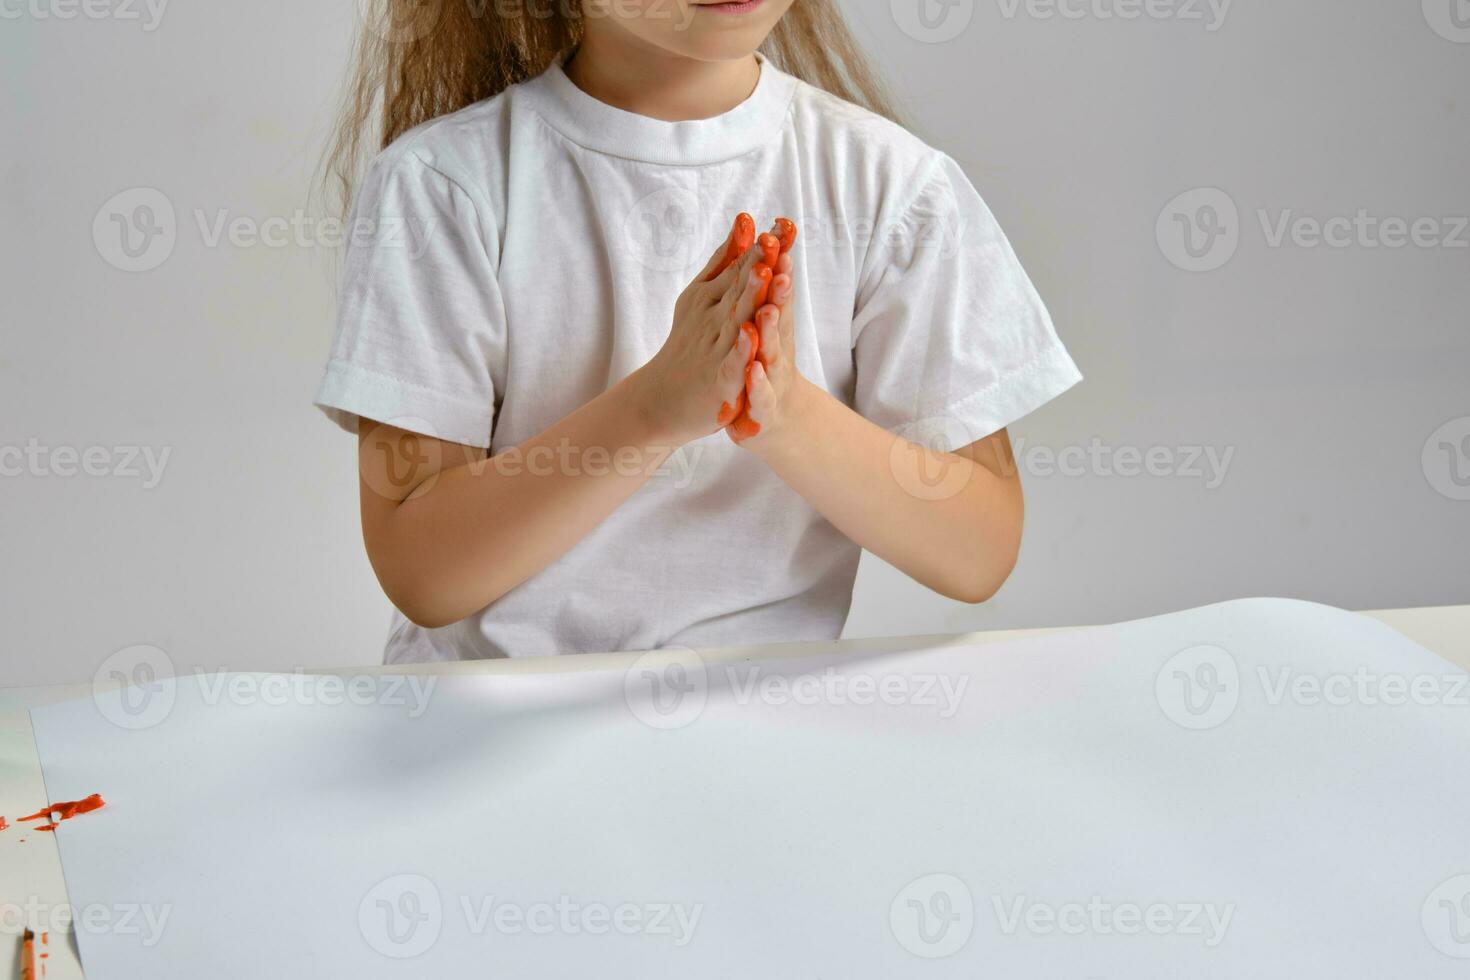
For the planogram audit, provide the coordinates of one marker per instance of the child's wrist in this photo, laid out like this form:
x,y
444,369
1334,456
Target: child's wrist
x,y
651,425
799,407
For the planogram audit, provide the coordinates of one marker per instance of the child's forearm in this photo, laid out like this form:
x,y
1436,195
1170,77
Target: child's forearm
x,y
471,532
944,519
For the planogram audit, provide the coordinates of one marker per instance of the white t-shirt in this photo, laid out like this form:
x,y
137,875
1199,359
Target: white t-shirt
x,y
513,260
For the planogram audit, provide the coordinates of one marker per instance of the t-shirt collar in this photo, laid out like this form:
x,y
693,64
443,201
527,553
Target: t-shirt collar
x,y
607,129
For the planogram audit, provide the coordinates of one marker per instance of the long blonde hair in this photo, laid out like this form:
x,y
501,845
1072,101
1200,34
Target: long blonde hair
x,y
417,60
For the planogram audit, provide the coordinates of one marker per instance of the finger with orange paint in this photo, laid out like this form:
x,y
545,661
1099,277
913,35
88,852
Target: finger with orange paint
x,y
742,236
766,324
775,246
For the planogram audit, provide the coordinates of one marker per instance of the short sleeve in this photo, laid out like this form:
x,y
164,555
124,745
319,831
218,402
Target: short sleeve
x,y
951,342
420,333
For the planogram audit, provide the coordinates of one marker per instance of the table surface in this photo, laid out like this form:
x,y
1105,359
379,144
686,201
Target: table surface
x,y
31,882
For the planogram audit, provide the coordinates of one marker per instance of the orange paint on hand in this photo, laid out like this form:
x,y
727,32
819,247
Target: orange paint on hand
x,y
770,247
773,244
65,811
28,956
742,236
785,233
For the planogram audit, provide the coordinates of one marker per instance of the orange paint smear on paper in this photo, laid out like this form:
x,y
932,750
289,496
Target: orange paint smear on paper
x,y
65,811
3,824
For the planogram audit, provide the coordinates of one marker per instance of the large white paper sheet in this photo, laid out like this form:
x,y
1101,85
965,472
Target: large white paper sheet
x,y
1258,789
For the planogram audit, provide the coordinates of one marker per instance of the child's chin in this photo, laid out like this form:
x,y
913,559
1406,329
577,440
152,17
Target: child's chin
x,y
718,45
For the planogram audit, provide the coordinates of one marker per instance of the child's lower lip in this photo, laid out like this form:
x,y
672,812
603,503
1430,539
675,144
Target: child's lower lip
x,y
744,7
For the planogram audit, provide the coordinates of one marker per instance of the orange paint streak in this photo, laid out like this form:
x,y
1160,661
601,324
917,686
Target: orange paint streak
x,y
65,811
742,236
3,824
773,244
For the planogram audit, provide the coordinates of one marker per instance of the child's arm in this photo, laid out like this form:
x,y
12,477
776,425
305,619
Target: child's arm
x,y
951,521
449,532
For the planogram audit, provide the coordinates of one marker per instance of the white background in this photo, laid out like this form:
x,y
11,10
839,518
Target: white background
x,y
1324,370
